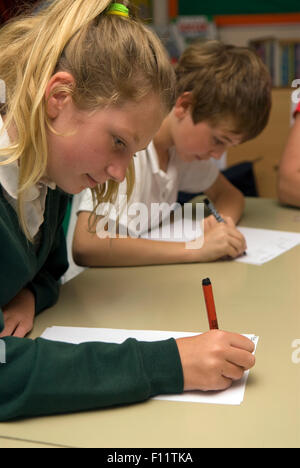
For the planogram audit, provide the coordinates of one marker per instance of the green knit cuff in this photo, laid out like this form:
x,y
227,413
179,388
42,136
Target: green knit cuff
x,y
162,365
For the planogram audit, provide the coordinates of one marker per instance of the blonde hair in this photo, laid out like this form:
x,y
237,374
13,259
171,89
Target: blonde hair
x,y
112,59
227,83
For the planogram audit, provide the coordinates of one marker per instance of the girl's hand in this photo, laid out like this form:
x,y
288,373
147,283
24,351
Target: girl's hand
x,y
213,360
19,315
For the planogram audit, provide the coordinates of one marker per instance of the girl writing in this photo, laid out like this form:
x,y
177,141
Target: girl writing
x,y
87,86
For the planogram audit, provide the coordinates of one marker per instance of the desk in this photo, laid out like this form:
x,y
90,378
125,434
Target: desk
x,y
263,300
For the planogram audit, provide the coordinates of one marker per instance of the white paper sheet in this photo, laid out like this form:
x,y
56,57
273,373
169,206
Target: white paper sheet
x,y
231,396
263,245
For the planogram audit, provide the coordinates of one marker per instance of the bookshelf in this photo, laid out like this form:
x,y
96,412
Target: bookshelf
x,y
282,57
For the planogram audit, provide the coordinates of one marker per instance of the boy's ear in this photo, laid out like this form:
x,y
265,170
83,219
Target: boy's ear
x,y
183,105
56,93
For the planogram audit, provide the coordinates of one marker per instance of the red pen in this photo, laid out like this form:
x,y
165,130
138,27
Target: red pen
x,y
210,304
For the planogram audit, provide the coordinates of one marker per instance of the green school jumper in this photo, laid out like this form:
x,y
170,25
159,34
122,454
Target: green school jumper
x,y
44,377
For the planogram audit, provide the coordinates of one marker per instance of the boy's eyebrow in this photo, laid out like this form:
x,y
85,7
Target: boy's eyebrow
x,y
228,139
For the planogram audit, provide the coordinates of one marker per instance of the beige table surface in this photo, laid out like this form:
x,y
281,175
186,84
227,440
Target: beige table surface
x,y
7,442
264,300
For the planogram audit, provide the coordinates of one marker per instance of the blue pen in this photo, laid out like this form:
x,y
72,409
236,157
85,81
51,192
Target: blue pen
x,y
213,211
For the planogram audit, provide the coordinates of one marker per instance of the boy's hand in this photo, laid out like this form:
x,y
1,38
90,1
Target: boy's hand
x,y
210,222
222,240
19,314
214,360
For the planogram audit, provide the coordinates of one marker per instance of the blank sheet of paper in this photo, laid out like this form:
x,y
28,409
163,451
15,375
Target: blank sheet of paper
x,y
76,335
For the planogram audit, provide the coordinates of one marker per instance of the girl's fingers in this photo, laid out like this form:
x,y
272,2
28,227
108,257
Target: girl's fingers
x,y
9,328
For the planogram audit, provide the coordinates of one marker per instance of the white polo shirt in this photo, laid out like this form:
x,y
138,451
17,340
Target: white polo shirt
x,y
153,185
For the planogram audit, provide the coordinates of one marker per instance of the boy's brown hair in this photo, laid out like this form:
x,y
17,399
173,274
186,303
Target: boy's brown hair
x,y
228,84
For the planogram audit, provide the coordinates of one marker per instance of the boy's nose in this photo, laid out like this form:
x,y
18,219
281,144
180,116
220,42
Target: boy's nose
x,y
216,154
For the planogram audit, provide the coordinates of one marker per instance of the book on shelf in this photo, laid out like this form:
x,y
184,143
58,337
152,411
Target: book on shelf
x,y
281,56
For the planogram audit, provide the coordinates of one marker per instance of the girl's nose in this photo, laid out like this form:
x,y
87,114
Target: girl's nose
x,y
117,171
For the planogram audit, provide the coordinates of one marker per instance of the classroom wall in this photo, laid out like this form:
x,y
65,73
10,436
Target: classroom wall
x,y
266,150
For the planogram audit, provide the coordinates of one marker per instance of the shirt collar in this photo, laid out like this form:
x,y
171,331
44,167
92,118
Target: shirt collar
x,y
154,161
153,158
9,175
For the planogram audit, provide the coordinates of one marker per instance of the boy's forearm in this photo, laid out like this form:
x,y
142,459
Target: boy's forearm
x,y
131,252
228,200
231,204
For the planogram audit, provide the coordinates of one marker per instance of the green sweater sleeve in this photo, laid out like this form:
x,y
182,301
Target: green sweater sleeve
x,y
46,283
43,377
25,265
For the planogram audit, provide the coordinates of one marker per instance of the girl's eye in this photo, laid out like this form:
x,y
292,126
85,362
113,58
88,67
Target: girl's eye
x,y
119,143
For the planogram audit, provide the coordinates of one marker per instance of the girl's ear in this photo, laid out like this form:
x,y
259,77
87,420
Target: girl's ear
x,y
56,93
183,105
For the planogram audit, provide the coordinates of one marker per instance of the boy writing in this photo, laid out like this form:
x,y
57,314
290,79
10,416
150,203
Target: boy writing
x,y
223,100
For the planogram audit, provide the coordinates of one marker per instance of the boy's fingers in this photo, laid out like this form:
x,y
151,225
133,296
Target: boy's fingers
x,y
237,247
234,234
238,236
229,221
